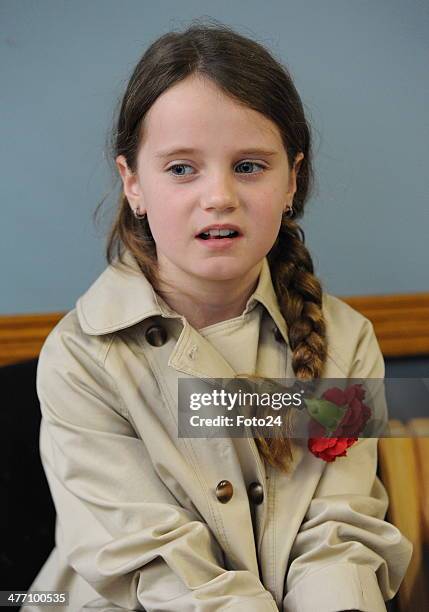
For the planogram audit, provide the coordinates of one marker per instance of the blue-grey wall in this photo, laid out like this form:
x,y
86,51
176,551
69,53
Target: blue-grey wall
x,y
361,69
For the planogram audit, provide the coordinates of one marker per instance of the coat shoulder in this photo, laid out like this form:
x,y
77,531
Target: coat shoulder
x,y
67,336
346,330
339,313
73,364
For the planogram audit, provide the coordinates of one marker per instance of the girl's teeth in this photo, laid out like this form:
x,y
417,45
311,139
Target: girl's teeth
x,y
216,233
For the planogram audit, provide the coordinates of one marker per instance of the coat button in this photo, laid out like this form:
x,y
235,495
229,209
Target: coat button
x,y
224,491
277,334
256,492
156,335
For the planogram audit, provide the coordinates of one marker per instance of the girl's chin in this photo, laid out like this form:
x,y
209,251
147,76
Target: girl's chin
x,y
219,271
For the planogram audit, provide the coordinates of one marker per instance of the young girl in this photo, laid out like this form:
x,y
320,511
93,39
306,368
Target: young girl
x,y
211,138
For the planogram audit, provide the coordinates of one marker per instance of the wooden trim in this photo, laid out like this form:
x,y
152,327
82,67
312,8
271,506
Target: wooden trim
x,y
22,336
401,323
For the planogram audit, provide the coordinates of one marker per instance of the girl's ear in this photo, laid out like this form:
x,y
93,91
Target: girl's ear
x,y
293,174
298,160
131,184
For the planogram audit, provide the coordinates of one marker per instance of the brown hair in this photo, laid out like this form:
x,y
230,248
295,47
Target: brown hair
x,y
246,71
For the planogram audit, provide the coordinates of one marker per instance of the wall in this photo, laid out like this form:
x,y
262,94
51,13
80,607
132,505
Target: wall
x,y
360,67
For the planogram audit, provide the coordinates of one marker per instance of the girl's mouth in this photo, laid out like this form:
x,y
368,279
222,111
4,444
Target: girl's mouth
x,y
218,236
216,239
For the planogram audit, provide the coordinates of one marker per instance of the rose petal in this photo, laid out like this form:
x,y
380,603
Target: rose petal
x,y
337,448
335,395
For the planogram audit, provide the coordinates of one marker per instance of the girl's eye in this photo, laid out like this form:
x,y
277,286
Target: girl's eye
x,y
247,164
179,166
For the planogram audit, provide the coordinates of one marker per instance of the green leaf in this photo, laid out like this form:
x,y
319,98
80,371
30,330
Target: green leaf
x,y
326,413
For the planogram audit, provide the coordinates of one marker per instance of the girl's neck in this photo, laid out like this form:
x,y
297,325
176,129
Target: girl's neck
x,y
211,301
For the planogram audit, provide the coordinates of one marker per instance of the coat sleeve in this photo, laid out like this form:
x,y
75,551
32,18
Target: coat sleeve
x,y
345,556
118,526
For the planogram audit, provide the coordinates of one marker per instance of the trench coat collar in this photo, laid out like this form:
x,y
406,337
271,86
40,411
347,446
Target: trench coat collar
x,y
122,296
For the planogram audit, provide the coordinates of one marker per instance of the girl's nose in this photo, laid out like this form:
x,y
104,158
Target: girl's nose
x,y
220,203
220,196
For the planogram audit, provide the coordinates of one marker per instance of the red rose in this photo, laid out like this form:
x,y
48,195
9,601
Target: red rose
x,y
352,423
357,413
329,449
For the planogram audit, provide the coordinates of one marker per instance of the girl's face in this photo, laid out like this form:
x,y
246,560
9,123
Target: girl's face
x,y
234,172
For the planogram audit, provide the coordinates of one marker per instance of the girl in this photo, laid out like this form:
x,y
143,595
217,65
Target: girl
x,y
211,138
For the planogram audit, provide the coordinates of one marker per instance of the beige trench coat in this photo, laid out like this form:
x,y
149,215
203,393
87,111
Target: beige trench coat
x,y
139,524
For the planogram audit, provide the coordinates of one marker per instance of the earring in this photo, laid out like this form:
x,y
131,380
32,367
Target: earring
x,y
288,212
137,214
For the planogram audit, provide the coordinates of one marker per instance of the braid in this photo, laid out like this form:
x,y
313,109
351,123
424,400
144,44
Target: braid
x,y
299,294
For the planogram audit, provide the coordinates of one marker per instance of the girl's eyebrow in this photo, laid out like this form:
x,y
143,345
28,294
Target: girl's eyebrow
x,y
191,150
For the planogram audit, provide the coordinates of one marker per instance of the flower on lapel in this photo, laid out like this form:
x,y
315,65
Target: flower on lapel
x,y
329,449
336,420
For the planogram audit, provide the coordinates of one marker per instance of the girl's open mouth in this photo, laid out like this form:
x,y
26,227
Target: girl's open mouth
x,y
223,236
219,239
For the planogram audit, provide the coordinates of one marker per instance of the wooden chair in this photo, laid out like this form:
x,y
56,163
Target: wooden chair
x,y
419,429
403,471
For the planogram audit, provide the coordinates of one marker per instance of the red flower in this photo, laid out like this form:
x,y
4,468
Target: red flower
x,y
352,423
357,413
329,449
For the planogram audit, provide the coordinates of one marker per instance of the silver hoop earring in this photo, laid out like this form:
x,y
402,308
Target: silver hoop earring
x,y
137,214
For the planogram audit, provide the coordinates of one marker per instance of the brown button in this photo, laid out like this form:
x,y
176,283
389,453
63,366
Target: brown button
x,y
277,334
224,491
256,492
156,335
